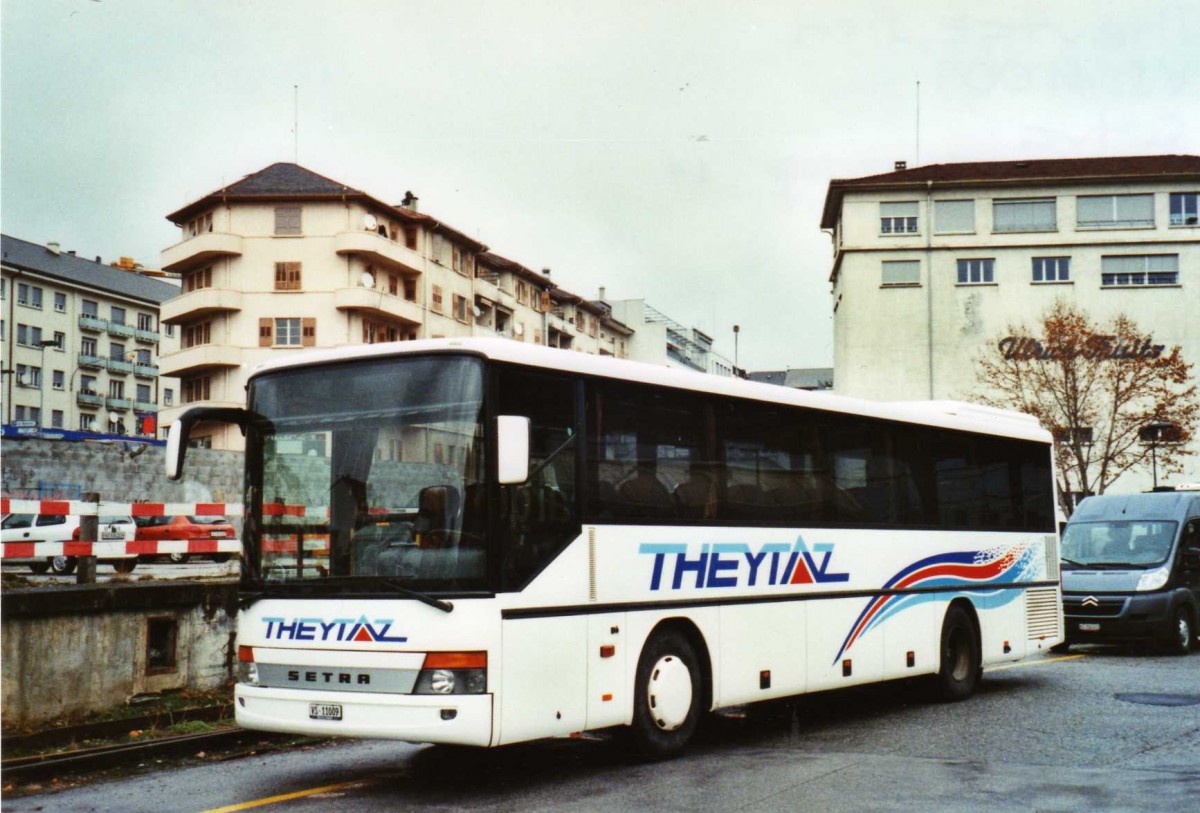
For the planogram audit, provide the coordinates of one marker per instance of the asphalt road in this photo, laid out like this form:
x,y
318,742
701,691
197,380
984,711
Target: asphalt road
x,y
1049,734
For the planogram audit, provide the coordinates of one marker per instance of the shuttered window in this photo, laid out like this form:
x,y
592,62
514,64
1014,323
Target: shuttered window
x,y
287,276
287,220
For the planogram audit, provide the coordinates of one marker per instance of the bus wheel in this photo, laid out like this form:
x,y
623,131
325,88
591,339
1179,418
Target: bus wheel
x,y
1182,633
666,696
960,666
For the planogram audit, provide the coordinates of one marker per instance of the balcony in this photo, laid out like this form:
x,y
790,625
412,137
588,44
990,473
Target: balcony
x,y
124,331
195,304
145,370
144,406
375,248
374,303
147,336
86,398
118,403
118,365
201,249
198,359
92,323
91,362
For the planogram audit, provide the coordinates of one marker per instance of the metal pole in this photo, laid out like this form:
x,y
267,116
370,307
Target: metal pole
x,y
1154,460
89,531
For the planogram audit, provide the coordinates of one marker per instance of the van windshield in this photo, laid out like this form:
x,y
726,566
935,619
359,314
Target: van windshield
x,y
1126,543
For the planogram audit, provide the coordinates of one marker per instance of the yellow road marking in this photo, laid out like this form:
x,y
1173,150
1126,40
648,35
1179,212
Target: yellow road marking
x,y
300,794
1035,663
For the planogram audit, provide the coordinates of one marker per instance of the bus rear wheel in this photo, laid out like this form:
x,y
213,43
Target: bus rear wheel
x,y
666,696
959,672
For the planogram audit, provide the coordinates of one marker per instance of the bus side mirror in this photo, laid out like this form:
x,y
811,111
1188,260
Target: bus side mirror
x,y
512,449
177,434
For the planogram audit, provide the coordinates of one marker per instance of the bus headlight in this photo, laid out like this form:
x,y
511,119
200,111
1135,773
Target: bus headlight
x,y
1154,579
453,673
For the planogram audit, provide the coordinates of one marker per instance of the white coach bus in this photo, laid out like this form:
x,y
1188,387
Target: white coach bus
x,y
483,542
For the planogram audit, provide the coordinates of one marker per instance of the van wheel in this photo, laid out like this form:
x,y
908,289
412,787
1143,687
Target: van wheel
x,y
178,558
960,668
221,558
1183,633
666,696
39,568
62,565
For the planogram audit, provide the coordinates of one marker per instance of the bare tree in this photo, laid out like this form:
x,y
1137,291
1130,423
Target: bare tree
x,y
1097,387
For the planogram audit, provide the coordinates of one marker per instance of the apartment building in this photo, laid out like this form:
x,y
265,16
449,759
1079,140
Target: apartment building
x,y
286,258
659,339
931,264
82,342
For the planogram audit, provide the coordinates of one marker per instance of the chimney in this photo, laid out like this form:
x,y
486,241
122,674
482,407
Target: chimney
x,y
546,273
901,165
410,201
71,252
601,297
53,248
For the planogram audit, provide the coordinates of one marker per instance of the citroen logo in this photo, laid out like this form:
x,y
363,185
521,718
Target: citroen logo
x,y
1090,601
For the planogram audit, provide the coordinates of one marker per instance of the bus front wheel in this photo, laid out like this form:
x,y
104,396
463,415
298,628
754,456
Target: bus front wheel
x,y
959,672
667,696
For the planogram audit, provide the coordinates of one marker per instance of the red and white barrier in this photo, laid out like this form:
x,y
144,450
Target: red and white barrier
x,y
79,508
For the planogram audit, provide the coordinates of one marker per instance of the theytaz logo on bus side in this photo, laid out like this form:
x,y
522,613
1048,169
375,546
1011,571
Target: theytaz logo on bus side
x,y
736,564
339,629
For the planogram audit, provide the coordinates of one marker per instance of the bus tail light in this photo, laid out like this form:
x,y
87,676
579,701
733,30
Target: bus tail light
x,y
247,668
453,673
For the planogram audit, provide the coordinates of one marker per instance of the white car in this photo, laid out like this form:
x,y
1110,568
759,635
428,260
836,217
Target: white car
x,y
65,528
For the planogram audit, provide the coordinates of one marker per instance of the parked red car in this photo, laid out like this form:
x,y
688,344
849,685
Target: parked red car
x,y
191,529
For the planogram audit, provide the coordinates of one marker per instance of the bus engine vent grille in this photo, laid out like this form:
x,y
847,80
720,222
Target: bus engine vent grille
x,y
1052,557
591,564
1043,613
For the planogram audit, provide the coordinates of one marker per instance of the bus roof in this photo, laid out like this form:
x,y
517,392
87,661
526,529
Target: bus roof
x,y
947,414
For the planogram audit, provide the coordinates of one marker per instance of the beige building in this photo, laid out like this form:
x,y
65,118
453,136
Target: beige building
x,y
286,259
81,345
932,264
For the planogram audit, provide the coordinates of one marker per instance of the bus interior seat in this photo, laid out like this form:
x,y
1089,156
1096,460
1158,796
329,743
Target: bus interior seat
x,y
695,496
644,495
744,501
437,511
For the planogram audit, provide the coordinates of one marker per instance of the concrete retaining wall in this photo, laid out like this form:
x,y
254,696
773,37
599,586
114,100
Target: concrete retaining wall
x,y
117,471
73,650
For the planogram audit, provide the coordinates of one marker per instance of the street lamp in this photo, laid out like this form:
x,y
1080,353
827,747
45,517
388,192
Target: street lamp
x,y
1153,433
42,382
736,331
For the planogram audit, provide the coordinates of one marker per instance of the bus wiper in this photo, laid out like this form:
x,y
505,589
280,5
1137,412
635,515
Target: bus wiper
x,y
424,598
348,583
1071,562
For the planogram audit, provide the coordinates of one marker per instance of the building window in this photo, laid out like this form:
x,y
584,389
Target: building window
x,y
56,419
87,422
287,220
87,347
410,289
460,309
116,389
118,316
1114,211
436,305
60,340
1024,215
1185,208
394,284
901,272
898,218
60,302
168,396
973,272
58,379
1139,269
522,292
195,280
89,308
197,334
22,294
954,216
287,276
87,384
142,357
197,389
1051,269
116,352
287,332
143,393
35,297
145,321
410,237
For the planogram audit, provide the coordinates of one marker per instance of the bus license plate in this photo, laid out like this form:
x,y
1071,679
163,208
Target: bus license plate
x,y
1089,627
324,711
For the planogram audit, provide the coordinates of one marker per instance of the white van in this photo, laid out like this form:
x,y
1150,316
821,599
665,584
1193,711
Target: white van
x,y
62,528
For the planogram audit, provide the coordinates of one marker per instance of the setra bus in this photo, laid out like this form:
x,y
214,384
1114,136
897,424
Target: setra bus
x,y
483,542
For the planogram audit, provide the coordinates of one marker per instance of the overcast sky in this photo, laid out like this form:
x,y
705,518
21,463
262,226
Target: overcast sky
x,y
673,151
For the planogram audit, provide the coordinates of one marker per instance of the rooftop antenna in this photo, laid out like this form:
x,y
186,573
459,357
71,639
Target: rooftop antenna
x,y
295,124
918,158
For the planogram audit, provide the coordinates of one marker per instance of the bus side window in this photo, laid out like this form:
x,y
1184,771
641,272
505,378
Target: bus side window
x,y
538,517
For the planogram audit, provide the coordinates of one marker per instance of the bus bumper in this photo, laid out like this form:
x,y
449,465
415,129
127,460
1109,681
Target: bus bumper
x,y
461,719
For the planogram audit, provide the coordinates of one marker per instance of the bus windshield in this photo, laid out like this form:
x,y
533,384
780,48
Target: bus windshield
x,y
367,477
1124,543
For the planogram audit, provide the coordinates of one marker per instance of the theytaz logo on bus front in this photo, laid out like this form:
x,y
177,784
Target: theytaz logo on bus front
x,y
337,629
737,564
